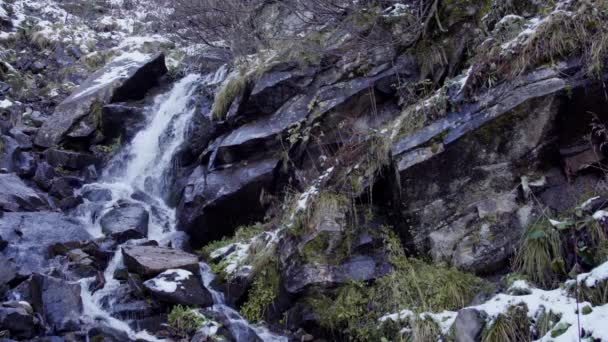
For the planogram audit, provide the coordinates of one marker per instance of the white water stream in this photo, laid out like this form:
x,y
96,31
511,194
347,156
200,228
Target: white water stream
x,y
137,174
148,158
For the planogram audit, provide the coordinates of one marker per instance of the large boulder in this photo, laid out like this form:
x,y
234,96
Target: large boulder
x,y
210,197
177,286
126,77
149,261
29,235
69,159
127,221
57,300
15,195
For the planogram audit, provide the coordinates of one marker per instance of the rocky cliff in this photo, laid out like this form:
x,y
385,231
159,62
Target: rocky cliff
x,y
379,178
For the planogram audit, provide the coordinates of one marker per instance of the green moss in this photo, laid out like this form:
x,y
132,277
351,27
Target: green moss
x,y
185,321
510,326
226,95
540,255
112,148
263,292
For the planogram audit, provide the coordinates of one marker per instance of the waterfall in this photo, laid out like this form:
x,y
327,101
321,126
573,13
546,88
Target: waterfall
x,y
140,168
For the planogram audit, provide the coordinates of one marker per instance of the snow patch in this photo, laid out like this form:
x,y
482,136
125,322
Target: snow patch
x,y
5,104
600,215
594,277
164,283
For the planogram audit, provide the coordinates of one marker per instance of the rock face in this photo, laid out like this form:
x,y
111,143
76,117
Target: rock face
x,y
208,198
15,195
128,76
128,221
149,261
469,325
179,287
57,300
474,188
28,236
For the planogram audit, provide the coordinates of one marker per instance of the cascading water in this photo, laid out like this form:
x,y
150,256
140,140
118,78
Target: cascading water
x,y
137,174
148,159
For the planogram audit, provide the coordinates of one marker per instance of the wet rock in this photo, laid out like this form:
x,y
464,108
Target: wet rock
x,y
149,261
126,77
29,235
97,195
127,221
69,159
19,320
179,287
25,164
208,198
58,301
15,195
10,150
24,140
238,329
124,304
469,325
121,120
63,187
8,273
44,175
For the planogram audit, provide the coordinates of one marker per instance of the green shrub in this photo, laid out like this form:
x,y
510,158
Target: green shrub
x,y
262,294
185,320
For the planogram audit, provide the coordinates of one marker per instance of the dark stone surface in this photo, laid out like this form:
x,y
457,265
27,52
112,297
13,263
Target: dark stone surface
x,y
179,287
127,221
149,261
15,195
73,114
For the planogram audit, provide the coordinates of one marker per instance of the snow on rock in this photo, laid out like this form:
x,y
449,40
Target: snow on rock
x,y
5,104
600,215
594,277
168,280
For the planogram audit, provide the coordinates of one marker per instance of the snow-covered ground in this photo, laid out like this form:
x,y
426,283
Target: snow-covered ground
x,y
593,321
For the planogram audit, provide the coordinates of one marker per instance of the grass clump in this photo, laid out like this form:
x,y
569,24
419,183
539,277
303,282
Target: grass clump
x,y
540,255
425,329
262,294
512,326
226,96
354,309
596,295
562,34
185,321
242,234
